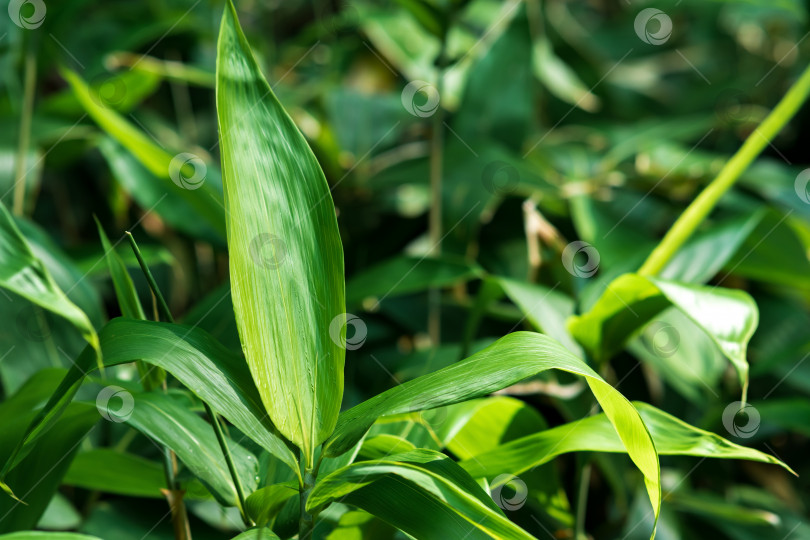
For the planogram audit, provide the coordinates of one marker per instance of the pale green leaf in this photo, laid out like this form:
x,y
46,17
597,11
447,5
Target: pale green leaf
x,y
264,504
595,433
728,316
286,259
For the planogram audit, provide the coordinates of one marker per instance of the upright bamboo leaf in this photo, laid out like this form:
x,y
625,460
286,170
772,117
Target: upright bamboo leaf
x,y
285,253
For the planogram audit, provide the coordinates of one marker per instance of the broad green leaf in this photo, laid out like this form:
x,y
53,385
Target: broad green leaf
x,y
121,473
774,253
286,258
509,360
419,483
24,274
175,426
264,504
204,195
215,374
682,354
595,433
728,316
717,509
505,70
494,421
380,446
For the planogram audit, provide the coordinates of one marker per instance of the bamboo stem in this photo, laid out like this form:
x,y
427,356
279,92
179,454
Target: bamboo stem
x,y
435,216
163,309
24,140
700,208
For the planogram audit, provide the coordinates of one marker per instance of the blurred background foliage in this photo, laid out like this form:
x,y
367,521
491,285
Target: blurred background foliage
x,y
559,122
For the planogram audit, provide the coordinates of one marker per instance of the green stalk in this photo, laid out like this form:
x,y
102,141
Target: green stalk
x,y
163,309
696,212
306,522
435,215
582,501
229,460
25,131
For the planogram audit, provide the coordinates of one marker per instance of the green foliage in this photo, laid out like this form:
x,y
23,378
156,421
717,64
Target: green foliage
x,y
470,269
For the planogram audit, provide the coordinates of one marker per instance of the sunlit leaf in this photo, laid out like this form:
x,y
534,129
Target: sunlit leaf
x,y
286,258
